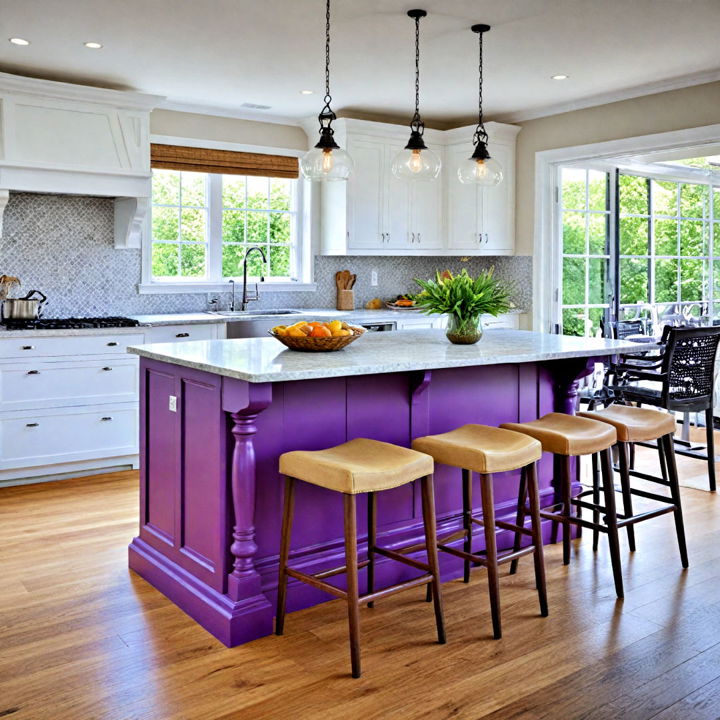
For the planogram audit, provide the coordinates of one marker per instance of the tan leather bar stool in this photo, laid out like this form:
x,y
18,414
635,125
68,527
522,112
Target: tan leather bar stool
x,y
360,466
488,450
634,425
568,436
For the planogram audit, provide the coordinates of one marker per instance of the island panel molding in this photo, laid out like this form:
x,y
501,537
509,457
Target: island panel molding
x,y
211,492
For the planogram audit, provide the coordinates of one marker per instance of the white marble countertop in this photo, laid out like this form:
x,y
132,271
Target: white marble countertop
x,y
267,360
359,316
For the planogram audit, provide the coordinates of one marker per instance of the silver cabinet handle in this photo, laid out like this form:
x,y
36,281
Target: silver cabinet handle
x,y
28,347
387,237
183,335
487,240
33,372
107,369
382,236
112,344
32,424
413,238
418,237
105,419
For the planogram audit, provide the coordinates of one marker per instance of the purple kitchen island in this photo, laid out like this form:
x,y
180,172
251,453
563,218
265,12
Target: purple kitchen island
x,y
215,416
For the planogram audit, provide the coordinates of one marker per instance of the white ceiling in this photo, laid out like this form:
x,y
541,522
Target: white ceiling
x,y
224,53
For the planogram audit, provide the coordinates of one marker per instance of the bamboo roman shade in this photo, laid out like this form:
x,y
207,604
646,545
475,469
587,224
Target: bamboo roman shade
x,y
178,157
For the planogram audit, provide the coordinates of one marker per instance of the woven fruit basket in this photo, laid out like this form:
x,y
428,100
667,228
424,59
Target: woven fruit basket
x,y
319,344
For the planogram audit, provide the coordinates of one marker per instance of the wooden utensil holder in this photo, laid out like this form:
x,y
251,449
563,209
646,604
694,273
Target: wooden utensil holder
x,y
345,300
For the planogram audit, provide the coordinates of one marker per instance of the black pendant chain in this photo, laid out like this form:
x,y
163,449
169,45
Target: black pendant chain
x,y
327,115
480,133
416,124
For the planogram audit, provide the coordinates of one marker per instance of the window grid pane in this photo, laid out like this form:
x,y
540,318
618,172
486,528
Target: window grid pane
x,y
248,211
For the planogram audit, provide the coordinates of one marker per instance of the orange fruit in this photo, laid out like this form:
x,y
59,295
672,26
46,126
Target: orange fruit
x,y
320,331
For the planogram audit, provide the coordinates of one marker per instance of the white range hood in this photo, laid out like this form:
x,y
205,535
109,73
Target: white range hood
x,y
77,140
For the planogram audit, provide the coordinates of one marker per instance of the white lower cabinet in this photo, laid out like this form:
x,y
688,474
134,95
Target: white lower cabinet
x,y
69,404
62,435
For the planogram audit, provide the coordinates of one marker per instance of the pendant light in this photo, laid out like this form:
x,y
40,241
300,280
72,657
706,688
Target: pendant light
x,y
416,161
326,161
480,168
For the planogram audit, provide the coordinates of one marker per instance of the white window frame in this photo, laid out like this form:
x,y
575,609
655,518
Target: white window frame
x,y
302,246
546,248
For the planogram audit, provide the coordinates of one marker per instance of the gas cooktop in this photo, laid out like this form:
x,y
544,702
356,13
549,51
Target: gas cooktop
x,y
65,323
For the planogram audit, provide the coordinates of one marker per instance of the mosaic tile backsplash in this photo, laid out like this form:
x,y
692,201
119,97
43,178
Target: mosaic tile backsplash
x,y
63,245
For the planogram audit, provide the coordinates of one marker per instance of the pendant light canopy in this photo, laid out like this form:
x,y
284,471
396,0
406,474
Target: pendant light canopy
x,y
480,168
416,161
327,161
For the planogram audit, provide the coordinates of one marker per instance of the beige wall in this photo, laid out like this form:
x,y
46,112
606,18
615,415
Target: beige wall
x,y
663,112
224,129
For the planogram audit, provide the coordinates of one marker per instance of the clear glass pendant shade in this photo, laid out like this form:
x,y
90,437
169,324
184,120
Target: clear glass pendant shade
x,y
416,165
326,164
486,172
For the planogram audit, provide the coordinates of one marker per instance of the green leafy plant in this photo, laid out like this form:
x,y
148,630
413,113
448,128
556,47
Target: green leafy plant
x,y
463,296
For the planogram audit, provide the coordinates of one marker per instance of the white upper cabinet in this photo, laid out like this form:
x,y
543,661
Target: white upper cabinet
x,y
481,220
374,213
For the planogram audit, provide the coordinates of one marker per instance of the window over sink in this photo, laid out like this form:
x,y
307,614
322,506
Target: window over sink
x,y
203,223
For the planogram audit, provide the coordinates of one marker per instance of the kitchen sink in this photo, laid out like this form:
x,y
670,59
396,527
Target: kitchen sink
x,y
252,313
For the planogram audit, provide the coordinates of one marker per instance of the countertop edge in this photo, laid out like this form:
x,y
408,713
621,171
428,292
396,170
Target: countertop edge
x,y
385,368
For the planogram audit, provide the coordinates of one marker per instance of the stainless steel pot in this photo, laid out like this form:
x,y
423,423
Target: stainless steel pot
x,y
27,308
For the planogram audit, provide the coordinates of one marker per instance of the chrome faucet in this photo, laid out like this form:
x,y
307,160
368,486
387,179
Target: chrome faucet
x,y
245,298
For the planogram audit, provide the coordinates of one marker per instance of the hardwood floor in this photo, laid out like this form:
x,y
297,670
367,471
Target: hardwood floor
x,y
83,638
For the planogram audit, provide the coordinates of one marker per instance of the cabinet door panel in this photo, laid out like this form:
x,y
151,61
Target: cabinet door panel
x,y
396,223
464,205
497,216
366,193
426,215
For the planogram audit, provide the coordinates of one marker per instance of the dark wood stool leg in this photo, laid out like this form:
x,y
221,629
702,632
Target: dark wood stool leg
x,y
668,446
611,519
428,508
372,538
488,509
596,499
467,520
519,518
626,494
566,480
288,506
351,562
710,434
534,496
557,474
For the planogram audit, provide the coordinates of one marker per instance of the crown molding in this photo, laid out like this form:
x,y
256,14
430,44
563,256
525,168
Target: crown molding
x,y
21,85
677,83
228,112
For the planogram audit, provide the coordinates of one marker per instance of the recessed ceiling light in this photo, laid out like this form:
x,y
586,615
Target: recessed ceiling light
x,y
93,45
559,77
307,92
19,41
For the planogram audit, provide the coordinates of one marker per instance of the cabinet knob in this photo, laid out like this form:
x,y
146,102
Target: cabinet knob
x,y
33,372
112,344
28,347
106,419
107,369
183,335
31,425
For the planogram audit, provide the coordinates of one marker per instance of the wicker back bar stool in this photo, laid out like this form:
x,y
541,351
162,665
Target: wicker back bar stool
x,y
680,379
355,467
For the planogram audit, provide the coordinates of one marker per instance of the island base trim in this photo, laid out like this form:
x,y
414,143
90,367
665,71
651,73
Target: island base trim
x,y
232,623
